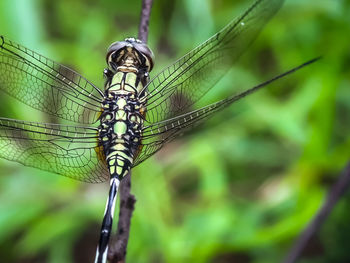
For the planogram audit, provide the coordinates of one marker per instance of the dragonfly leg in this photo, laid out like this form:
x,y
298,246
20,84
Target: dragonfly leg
x,y
102,249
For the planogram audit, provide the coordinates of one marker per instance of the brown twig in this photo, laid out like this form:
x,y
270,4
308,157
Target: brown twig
x,y
337,191
117,251
144,21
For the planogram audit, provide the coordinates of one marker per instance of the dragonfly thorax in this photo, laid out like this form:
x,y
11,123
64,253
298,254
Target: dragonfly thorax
x,y
121,119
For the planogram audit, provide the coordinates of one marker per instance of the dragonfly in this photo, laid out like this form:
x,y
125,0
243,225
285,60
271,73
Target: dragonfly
x,y
105,132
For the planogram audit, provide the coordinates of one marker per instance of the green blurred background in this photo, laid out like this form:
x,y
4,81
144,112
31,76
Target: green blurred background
x,y
239,188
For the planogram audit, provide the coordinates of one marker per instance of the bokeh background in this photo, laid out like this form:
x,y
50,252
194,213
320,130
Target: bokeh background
x,y
239,188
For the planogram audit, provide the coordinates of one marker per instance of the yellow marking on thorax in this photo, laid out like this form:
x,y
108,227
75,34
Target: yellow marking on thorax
x,y
127,69
130,80
117,82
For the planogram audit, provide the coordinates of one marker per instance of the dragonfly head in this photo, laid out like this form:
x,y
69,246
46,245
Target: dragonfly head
x,y
131,51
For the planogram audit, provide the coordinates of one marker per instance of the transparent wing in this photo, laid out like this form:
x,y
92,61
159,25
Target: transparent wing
x,y
46,85
156,135
174,90
67,150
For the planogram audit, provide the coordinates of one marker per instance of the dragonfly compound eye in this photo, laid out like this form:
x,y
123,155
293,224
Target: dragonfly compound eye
x,y
120,53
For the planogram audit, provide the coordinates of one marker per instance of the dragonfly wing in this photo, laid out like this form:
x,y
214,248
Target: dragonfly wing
x,y
67,150
46,85
175,89
156,135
